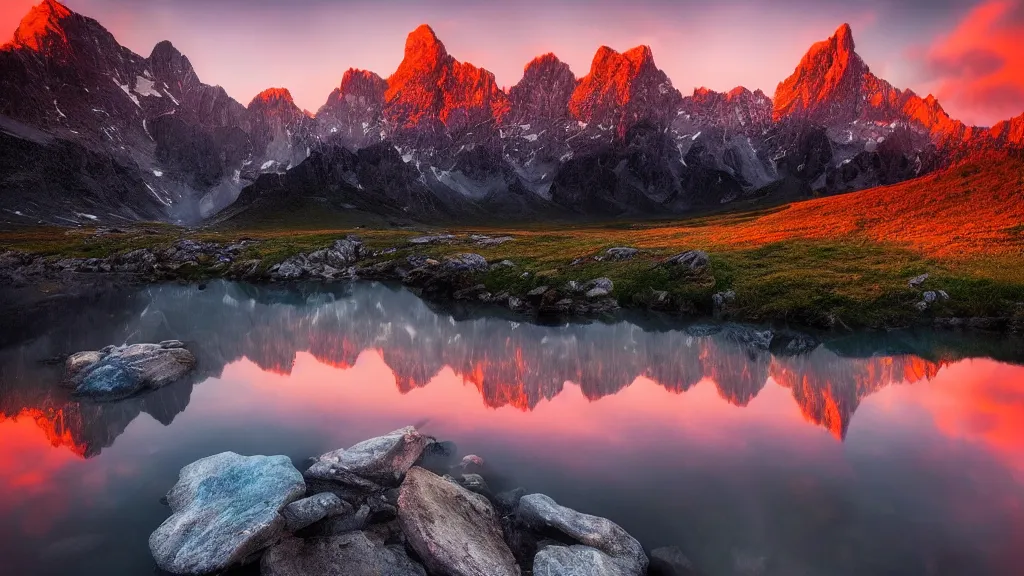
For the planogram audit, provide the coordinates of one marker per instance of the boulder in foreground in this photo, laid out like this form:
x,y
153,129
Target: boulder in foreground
x,y
383,460
225,508
118,372
351,554
539,512
454,531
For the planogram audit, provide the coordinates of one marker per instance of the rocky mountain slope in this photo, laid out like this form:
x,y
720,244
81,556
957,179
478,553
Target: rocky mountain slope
x,y
103,134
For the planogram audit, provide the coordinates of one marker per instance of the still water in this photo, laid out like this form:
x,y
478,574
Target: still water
x,y
894,454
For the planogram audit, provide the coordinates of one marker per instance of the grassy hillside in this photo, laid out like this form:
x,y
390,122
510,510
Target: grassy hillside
x,y
835,261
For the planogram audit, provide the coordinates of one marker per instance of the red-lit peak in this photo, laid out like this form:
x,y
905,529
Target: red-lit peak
x,y
42,23
640,56
422,43
273,97
843,39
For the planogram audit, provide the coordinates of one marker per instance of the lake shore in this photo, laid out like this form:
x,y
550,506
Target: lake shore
x,y
551,275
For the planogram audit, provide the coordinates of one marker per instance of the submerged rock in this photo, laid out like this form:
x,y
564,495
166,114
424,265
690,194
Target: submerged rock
x,y
670,561
225,508
118,372
539,512
352,554
383,460
454,531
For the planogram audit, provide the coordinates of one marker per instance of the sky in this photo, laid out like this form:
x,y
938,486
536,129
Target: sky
x,y
968,53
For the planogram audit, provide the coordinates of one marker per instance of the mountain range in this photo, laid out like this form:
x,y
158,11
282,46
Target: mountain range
x,y
92,132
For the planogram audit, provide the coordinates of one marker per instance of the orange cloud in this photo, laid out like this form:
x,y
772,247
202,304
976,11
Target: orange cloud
x,y
979,67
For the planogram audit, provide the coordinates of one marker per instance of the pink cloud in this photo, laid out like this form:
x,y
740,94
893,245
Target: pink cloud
x,y
978,69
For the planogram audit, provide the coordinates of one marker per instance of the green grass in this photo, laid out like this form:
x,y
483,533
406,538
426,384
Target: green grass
x,y
848,282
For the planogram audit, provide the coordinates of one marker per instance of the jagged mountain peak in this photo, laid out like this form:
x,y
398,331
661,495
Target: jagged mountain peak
x,y
354,79
826,84
41,25
423,47
273,98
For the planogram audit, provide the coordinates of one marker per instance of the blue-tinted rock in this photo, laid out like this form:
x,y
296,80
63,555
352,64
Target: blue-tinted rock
x,y
118,372
579,561
225,508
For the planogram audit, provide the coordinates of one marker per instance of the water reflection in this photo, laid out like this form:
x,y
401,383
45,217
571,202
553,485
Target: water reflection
x,y
892,453
509,363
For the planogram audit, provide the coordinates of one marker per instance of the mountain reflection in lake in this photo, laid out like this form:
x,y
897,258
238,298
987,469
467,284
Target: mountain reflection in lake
x,y
892,454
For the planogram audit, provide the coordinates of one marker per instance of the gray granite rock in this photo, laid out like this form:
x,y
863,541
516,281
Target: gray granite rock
x,y
225,508
598,288
917,281
454,531
539,512
467,262
308,511
352,554
692,260
621,253
382,460
118,372
435,239
579,561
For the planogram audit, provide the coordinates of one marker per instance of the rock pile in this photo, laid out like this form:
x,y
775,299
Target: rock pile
x,y
399,504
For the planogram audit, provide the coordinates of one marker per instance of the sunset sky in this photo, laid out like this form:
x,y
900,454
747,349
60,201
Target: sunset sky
x,y
969,53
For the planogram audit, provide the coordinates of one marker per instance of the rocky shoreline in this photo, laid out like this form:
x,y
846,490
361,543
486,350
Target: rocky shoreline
x,y
402,504
458,277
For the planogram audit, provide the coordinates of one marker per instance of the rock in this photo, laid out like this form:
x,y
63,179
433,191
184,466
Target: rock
x,y
749,337
579,561
793,343
693,260
494,241
598,288
537,292
572,287
244,269
438,457
436,239
468,263
621,253
346,252
383,460
503,264
475,483
721,299
472,464
454,531
917,281
517,304
288,270
352,554
930,296
539,512
308,511
225,508
346,522
508,501
670,561
921,306
943,295
79,362
471,293
118,372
